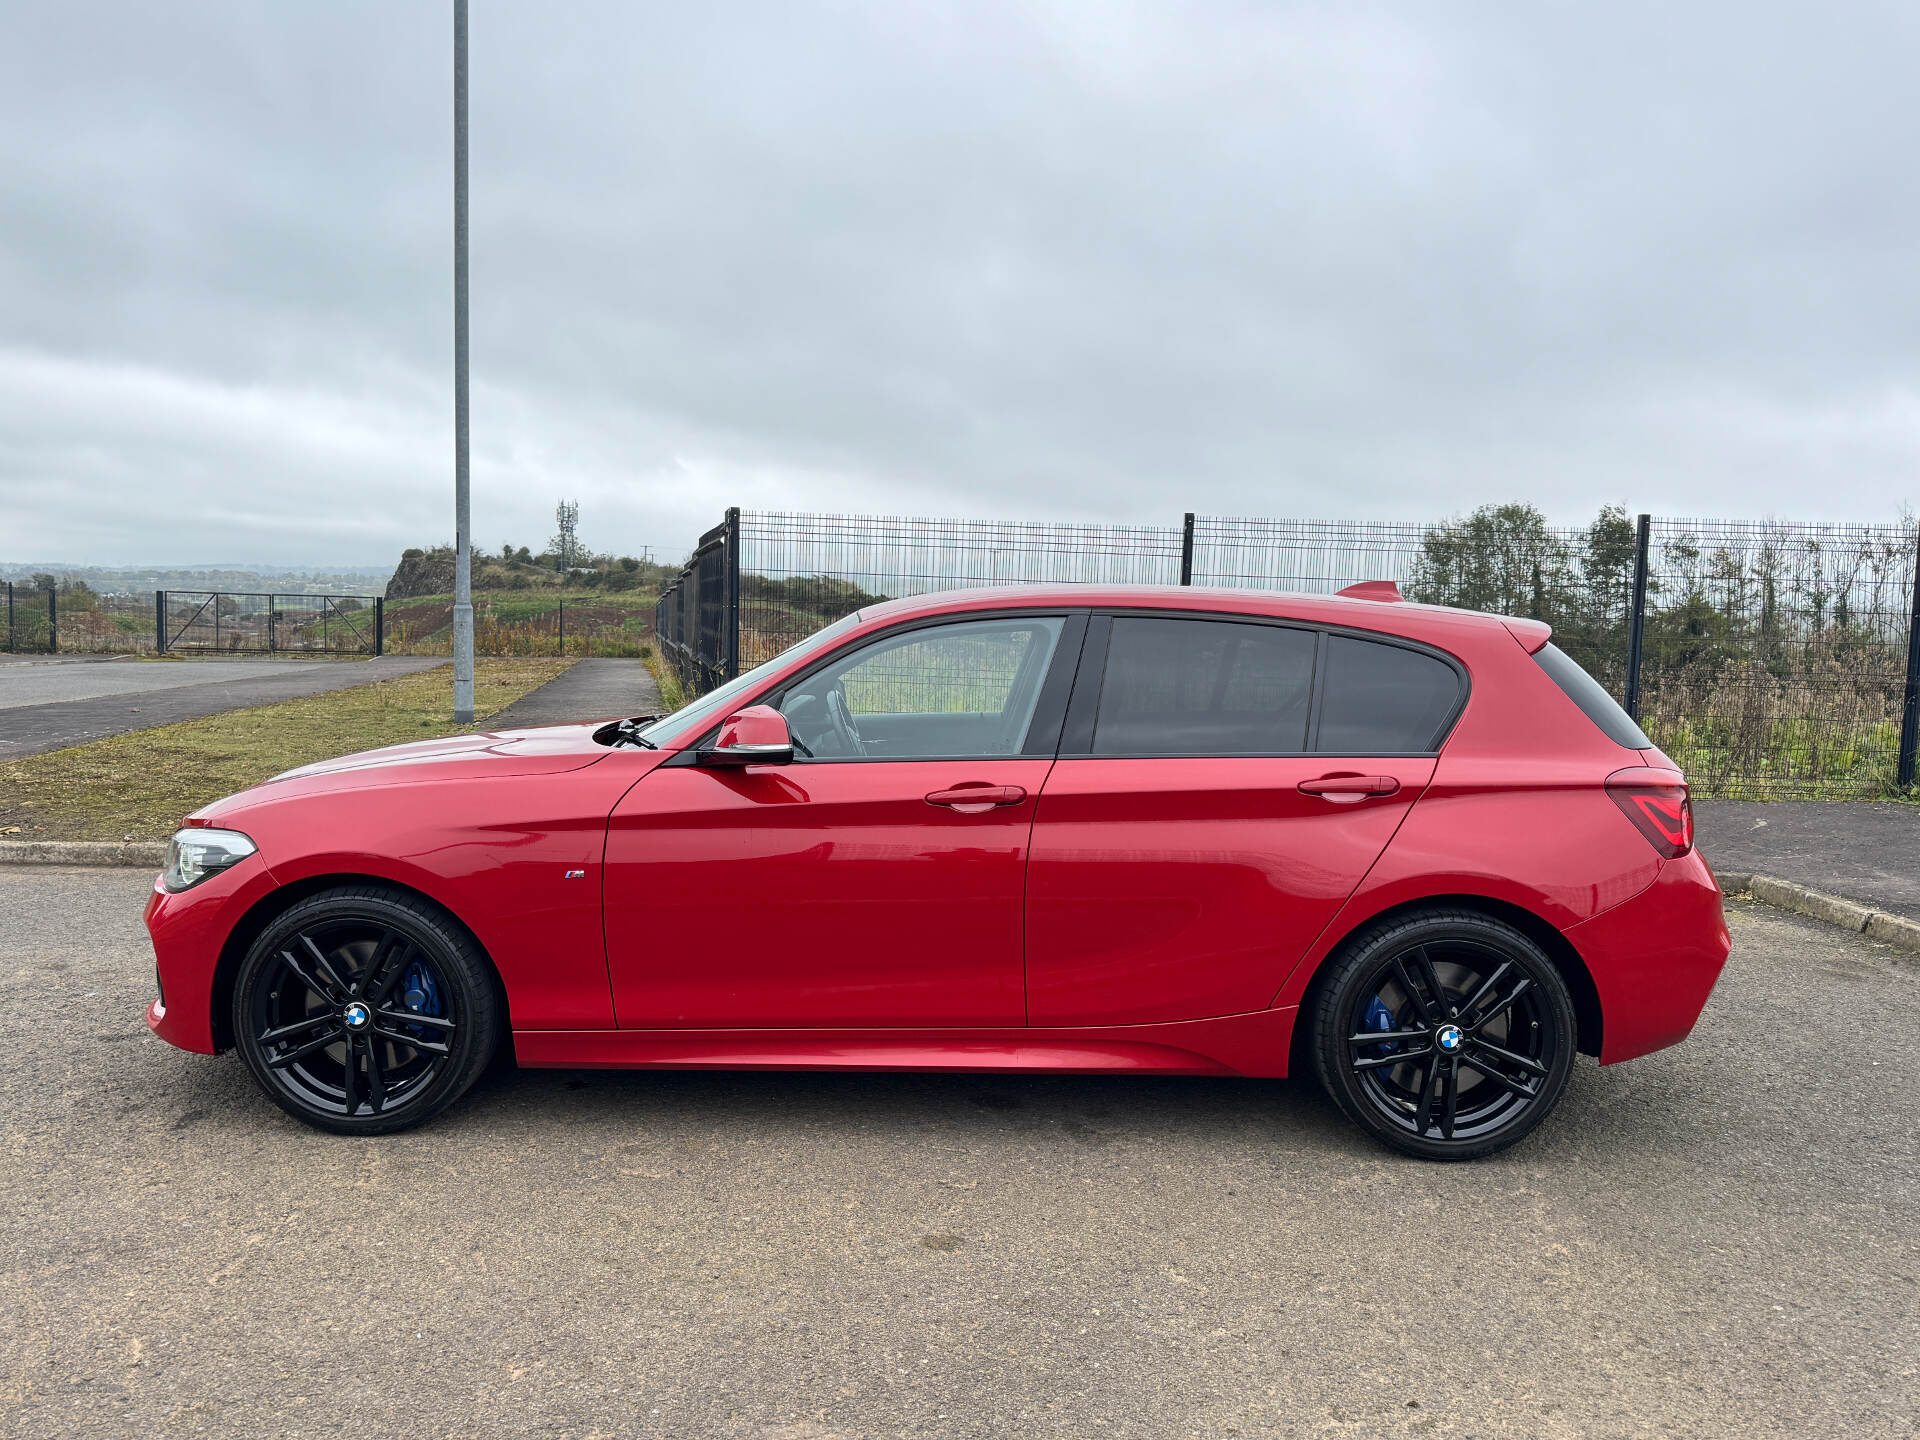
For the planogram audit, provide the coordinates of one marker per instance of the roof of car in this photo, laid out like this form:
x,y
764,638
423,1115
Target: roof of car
x,y
1405,618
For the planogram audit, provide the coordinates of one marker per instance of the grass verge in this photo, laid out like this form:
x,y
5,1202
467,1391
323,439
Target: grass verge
x,y
138,786
673,694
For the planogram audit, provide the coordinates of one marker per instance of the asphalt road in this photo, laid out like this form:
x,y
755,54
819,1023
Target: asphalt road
x,y
592,689
1864,849
1720,1240
44,706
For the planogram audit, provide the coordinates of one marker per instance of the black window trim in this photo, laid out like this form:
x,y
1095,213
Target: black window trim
x,y
1083,707
1043,730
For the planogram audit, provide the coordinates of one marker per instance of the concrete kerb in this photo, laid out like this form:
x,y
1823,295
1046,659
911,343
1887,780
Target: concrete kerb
x,y
1895,930
131,854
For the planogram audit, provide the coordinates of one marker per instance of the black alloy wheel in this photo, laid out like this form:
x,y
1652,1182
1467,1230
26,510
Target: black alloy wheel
x,y
363,1010
1445,1034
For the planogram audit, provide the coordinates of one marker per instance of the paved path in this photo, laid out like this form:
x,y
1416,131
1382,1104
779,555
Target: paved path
x,y
590,690
1721,1240
48,706
1866,851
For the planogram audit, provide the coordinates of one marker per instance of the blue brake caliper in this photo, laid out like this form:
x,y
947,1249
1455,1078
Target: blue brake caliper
x,y
1379,1017
420,993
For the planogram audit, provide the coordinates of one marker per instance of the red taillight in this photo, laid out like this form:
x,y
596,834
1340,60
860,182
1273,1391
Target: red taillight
x,y
1657,803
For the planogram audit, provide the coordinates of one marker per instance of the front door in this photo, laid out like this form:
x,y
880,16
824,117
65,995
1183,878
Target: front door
x,y
878,880
1208,818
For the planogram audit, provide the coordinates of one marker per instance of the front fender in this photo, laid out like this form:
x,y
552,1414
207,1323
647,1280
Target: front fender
x,y
517,859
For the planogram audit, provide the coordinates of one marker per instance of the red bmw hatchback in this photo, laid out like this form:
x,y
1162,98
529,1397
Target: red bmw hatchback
x,y
1416,850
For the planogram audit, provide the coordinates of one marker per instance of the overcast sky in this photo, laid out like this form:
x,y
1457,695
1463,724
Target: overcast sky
x,y
1100,260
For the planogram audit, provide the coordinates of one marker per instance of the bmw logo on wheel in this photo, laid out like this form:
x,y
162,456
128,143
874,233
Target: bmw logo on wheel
x,y
1449,1038
356,1015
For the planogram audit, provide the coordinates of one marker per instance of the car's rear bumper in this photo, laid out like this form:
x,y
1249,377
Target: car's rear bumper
x,y
1654,959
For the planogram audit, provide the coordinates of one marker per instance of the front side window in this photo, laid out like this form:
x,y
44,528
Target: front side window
x,y
1383,699
954,691
690,719
1204,687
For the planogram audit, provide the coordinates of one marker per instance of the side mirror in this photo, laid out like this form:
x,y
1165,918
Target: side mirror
x,y
757,735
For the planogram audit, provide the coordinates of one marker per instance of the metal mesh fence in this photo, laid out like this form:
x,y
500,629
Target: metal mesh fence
x,y
74,619
575,627
800,572
1775,654
106,624
229,623
696,618
1578,580
28,619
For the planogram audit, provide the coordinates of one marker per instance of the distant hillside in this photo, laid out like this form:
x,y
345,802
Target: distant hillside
x,y
135,579
430,572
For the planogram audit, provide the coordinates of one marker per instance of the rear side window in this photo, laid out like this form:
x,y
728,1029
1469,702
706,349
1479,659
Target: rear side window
x,y
1383,699
1592,698
1204,687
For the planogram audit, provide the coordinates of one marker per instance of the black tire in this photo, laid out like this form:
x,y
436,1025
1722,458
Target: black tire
x,y
364,1010
1477,1033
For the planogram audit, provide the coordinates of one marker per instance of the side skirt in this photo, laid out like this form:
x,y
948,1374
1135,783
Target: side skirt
x,y
1254,1044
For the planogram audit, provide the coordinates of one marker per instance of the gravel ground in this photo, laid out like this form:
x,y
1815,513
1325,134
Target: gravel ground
x,y
1723,1239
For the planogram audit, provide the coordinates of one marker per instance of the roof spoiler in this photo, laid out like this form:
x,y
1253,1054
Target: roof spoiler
x,y
1532,634
1385,591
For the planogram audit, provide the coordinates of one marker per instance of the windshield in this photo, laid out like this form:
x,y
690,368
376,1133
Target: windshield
x,y
690,720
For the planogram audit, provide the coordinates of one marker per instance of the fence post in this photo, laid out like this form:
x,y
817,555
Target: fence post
x,y
1186,551
159,622
733,591
53,621
1637,615
273,625
379,625
563,629
9,617
1910,708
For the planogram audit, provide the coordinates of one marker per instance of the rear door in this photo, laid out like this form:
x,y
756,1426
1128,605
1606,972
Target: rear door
x,y
1221,790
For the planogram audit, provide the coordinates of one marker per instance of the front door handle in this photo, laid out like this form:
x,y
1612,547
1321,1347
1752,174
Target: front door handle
x,y
1349,789
977,799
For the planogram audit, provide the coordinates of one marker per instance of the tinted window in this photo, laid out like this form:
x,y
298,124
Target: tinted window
x,y
943,692
1204,687
1383,699
1592,697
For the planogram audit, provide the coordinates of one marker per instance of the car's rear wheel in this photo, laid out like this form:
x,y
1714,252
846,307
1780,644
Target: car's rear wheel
x,y
363,1010
1445,1034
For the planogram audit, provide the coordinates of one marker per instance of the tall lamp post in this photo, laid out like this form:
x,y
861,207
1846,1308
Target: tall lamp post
x,y
462,500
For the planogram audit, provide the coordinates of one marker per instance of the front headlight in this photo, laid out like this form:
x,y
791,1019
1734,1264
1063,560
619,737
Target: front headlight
x,y
193,855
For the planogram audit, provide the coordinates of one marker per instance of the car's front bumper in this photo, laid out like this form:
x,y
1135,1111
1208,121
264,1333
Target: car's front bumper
x,y
189,932
1654,959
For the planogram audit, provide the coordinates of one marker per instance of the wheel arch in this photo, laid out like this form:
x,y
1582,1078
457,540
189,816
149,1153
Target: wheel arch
x,y
1589,1019
277,902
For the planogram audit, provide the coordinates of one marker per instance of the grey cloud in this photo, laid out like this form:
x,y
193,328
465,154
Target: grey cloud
x,y
1109,260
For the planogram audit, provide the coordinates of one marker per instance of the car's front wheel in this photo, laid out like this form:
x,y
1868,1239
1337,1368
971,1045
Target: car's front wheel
x,y
1446,1033
363,1010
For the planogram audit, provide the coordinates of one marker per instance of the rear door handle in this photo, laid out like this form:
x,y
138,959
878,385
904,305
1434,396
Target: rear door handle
x,y
1349,789
977,799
